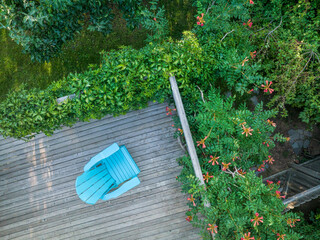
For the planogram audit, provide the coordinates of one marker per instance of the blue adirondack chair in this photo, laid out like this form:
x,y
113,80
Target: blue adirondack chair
x,y
112,169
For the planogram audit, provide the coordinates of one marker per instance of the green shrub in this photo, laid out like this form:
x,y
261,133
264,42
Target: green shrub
x,y
232,142
126,79
288,44
241,207
309,227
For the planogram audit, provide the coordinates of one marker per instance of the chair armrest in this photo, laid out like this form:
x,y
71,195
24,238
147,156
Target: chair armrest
x,y
102,155
122,189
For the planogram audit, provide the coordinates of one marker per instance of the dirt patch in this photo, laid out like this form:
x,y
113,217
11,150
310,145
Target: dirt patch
x,y
283,152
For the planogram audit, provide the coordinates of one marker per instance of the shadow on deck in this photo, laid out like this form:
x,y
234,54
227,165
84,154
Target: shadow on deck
x,y
38,198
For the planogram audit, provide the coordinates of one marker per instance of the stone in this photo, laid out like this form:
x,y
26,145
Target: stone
x,y
254,100
291,132
300,131
294,135
306,143
297,147
307,133
256,91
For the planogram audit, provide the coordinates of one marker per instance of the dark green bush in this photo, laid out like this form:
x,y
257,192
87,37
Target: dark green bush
x,y
41,27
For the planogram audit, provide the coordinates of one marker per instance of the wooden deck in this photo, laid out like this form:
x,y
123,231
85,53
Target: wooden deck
x,y
37,193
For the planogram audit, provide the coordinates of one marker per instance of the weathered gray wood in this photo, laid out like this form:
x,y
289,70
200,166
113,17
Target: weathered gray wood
x,y
37,195
62,172
302,184
159,177
60,100
98,142
51,205
305,170
302,197
62,160
186,129
61,186
117,127
187,134
153,227
93,220
78,129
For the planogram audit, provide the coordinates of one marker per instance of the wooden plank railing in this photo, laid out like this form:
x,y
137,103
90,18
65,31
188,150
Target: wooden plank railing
x,y
187,134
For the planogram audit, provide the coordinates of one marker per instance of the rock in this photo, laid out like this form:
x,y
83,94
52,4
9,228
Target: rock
x,y
254,100
297,147
300,131
291,132
307,133
256,91
294,135
306,143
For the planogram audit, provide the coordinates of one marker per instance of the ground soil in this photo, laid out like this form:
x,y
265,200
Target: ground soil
x,y
283,152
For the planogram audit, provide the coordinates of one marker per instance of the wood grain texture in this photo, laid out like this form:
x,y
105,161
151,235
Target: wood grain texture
x,y
38,198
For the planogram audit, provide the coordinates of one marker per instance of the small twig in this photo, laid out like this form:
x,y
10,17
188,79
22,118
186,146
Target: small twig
x,y
264,27
270,33
311,55
201,94
316,139
273,30
226,35
228,171
315,54
213,2
180,143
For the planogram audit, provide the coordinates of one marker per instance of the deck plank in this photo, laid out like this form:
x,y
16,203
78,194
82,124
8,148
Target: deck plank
x,y
38,198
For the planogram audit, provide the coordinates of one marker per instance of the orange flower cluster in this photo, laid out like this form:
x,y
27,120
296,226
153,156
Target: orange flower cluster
x,y
212,228
213,160
207,177
202,142
257,219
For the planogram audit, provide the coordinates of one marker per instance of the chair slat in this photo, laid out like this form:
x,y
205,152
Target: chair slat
x,y
121,163
130,160
101,191
89,174
112,169
89,192
91,181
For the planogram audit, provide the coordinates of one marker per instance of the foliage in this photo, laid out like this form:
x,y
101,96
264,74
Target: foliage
x,y
310,226
225,35
288,44
231,142
259,41
239,205
155,21
17,69
180,16
221,52
41,27
127,79
76,55
237,136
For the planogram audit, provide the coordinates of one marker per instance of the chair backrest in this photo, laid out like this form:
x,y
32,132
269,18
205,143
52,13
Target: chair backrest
x,y
121,166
